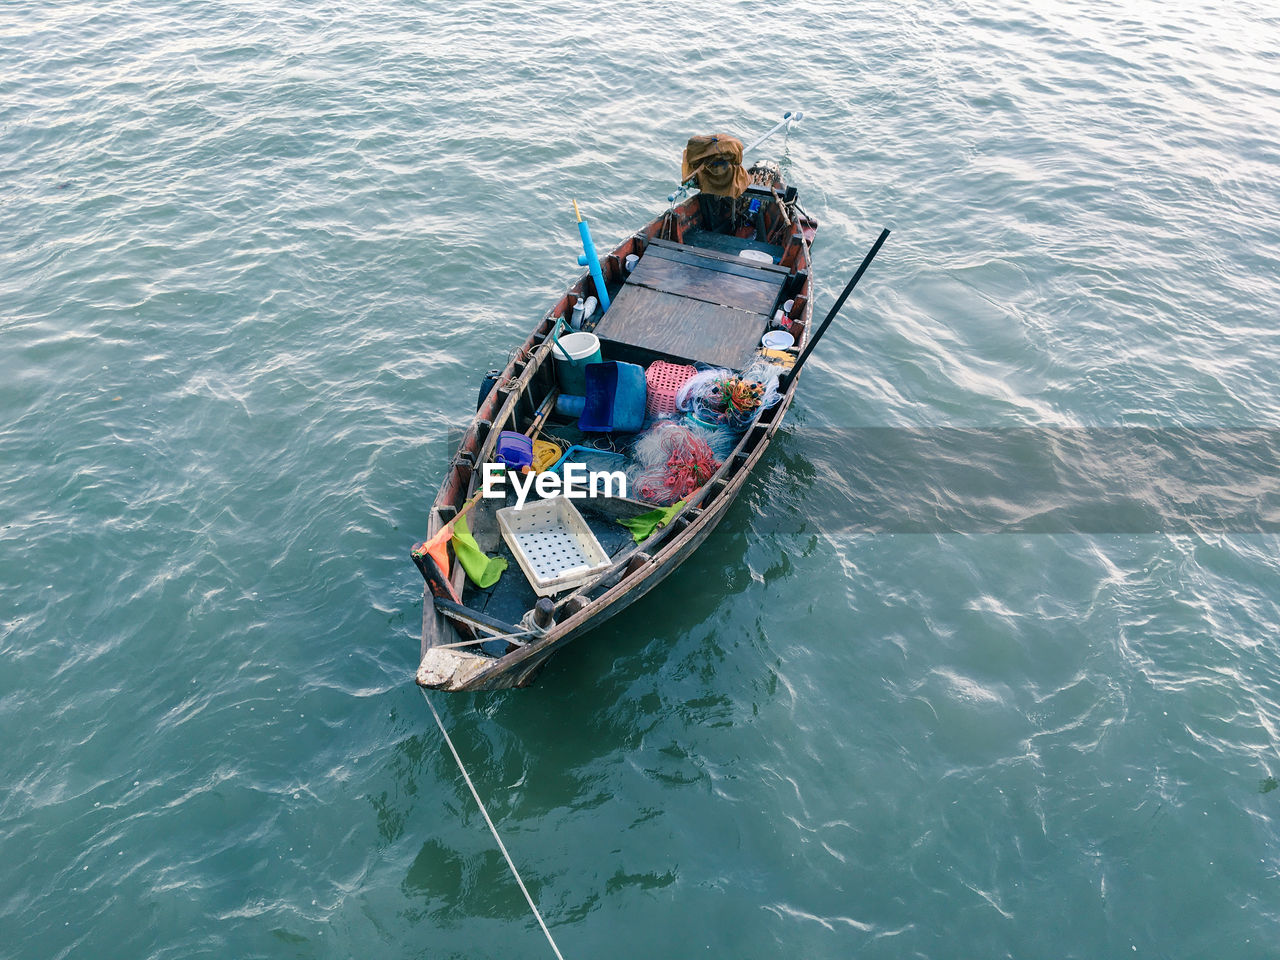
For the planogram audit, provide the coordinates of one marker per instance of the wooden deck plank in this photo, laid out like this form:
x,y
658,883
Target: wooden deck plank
x,y
737,267
656,243
727,243
682,327
683,279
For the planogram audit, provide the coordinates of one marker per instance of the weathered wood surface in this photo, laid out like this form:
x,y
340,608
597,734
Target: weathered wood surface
x,y
658,246
711,285
680,302
736,267
682,327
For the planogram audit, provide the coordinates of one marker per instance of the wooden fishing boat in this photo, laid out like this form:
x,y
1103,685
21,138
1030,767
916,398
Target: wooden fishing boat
x,y
707,279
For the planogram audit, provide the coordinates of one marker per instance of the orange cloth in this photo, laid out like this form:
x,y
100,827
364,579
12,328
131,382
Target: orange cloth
x,y
716,160
437,548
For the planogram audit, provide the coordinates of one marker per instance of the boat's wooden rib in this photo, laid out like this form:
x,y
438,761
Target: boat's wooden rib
x,y
455,652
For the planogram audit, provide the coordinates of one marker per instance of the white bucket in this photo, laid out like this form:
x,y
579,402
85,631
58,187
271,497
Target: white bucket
x,y
575,346
581,349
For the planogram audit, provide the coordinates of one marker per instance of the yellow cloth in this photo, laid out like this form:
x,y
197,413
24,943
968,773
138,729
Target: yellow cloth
x,y
545,455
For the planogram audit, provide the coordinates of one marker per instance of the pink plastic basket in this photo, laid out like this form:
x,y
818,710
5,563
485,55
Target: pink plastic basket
x,y
664,381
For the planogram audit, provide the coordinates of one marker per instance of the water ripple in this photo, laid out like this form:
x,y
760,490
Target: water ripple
x,y
254,255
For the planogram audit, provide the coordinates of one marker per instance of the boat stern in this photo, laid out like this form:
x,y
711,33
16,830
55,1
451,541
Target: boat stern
x,y
443,668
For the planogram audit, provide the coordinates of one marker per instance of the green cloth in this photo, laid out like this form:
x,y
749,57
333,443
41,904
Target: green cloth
x,y
483,570
642,527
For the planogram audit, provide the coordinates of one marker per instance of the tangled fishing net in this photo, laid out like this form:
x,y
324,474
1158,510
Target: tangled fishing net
x,y
671,461
721,398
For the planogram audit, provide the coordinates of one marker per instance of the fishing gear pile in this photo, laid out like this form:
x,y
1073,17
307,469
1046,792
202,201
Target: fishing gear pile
x,y
671,461
720,398
768,374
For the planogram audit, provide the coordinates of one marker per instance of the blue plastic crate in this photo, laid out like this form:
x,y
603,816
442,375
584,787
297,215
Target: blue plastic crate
x,y
616,395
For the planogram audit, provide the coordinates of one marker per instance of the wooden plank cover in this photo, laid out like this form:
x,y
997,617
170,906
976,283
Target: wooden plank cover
x,y
682,327
739,268
712,286
656,244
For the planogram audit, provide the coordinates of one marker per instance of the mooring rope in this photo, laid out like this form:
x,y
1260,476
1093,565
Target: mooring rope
x,y
494,830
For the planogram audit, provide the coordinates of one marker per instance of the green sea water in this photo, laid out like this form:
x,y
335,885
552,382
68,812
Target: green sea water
x,y
253,259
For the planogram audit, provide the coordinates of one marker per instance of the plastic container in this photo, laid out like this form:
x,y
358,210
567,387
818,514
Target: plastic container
x,y
515,450
583,311
568,406
572,353
705,424
615,395
553,545
486,386
664,381
777,340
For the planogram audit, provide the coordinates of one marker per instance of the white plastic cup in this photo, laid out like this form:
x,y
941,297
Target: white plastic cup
x,y
632,260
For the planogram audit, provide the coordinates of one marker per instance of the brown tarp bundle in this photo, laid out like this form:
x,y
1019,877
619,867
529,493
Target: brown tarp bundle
x,y
716,160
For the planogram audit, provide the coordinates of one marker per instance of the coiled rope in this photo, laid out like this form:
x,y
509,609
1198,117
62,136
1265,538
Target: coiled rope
x,y
492,829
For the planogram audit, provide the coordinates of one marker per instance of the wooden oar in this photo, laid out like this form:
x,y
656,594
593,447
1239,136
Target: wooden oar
x,y
782,209
544,411
786,379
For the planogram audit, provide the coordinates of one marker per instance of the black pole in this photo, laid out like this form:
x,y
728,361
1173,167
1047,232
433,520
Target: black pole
x,y
790,375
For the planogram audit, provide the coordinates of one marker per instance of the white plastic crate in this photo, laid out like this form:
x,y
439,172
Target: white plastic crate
x,y
553,545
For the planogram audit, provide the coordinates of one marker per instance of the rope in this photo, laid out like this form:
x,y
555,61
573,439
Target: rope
x,y
513,637
492,828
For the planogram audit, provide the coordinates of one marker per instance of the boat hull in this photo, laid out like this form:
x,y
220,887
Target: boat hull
x,y
448,663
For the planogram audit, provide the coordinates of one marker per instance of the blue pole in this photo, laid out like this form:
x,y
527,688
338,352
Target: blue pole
x,y
591,261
